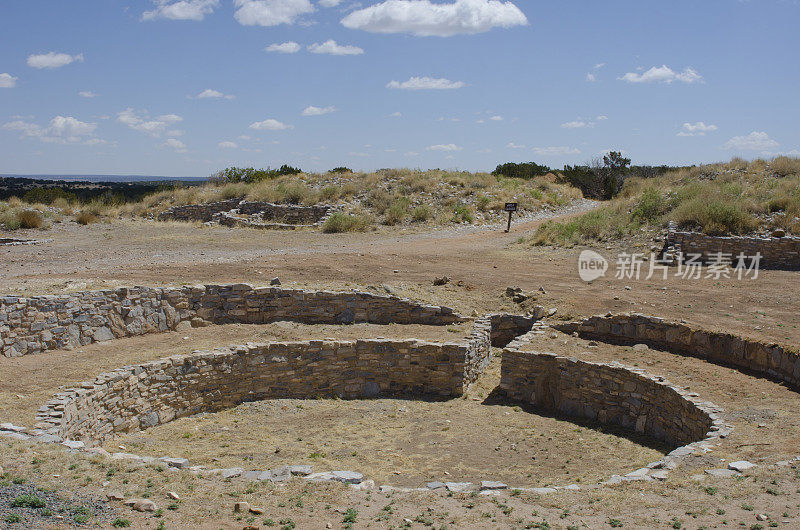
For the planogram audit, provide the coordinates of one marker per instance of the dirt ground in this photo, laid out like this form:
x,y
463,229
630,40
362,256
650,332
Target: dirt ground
x,y
481,263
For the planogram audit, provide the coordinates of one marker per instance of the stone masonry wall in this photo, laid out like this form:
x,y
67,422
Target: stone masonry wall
x,y
36,324
280,213
771,360
608,393
138,397
776,252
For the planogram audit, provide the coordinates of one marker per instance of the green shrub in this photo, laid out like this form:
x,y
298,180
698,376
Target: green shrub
x,y
525,170
483,202
340,222
462,214
421,213
397,212
13,518
650,206
341,169
48,195
27,501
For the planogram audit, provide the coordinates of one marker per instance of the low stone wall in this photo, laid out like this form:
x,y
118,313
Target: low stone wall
x,y
268,212
36,324
770,360
506,327
776,252
198,212
153,393
607,393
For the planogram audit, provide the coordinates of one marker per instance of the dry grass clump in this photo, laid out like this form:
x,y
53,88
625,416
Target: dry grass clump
x,y
737,197
30,219
340,222
86,217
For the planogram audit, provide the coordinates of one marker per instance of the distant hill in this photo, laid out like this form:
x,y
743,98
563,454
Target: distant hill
x,y
102,178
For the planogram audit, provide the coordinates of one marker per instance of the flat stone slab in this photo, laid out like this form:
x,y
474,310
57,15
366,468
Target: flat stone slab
x,y
231,472
73,444
301,470
460,487
493,485
741,466
180,463
434,485
348,477
722,473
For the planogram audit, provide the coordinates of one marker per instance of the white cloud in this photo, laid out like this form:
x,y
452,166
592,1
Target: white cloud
x,y
329,3
227,145
512,145
155,127
577,124
212,94
284,47
87,94
556,151
269,125
317,111
181,10
177,145
62,130
270,12
426,83
663,74
601,117
53,60
444,147
174,133
7,81
424,18
330,47
496,118
396,115
696,129
755,141
591,76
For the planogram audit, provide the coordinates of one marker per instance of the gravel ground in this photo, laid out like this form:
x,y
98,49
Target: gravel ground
x,y
77,511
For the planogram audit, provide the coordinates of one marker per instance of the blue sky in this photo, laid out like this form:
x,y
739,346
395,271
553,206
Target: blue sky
x,y
189,87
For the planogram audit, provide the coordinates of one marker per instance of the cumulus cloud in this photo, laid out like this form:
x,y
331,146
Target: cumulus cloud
x,y
512,145
329,3
426,83
53,60
317,111
556,151
496,118
696,129
444,147
269,125
284,47
270,12
755,141
330,47
181,10
578,124
140,122
212,94
7,81
227,145
87,94
663,74
61,129
177,145
424,18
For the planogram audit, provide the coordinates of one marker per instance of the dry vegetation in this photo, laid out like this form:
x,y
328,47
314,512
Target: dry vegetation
x,y
388,197
737,197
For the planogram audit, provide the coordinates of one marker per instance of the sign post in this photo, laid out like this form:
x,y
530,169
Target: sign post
x,y
511,207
